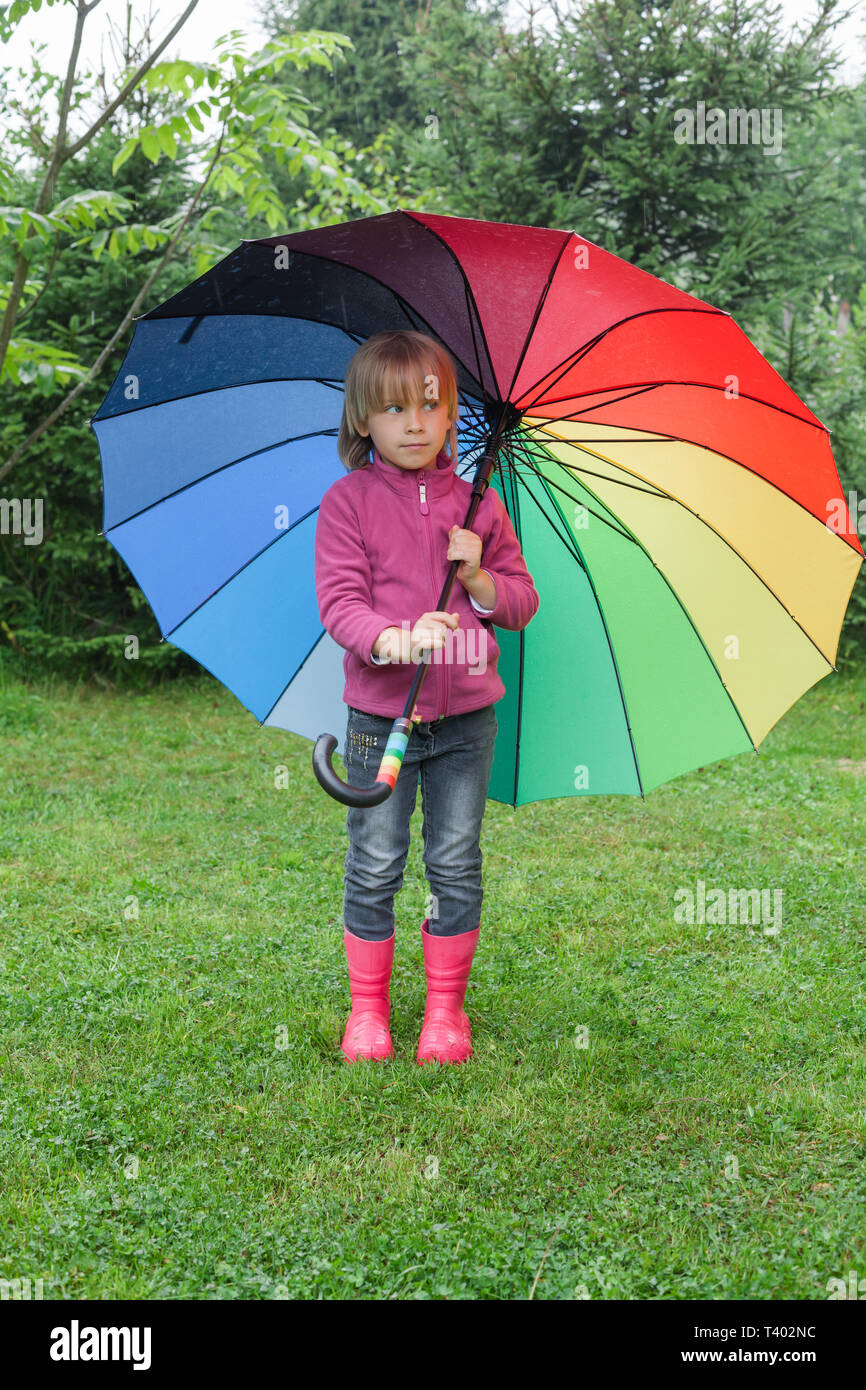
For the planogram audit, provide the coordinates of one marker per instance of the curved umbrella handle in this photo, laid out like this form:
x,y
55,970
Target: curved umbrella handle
x,y
389,768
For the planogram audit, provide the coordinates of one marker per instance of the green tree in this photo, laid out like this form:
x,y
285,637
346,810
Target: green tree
x,y
258,124
68,601
409,81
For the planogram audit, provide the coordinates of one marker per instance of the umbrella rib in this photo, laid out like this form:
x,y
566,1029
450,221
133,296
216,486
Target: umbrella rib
x,y
637,541
521,636
356,270
638,388
580,502
478,422
658,491
298,668
471,317
213,391
232,463
543,433
566,538
416,221
412,314
539,438
585,569
566,365
579,353
650,488
615,400
152,313
251,559
535,317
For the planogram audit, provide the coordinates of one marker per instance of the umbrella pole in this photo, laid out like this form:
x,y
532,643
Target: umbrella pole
x,y
401,729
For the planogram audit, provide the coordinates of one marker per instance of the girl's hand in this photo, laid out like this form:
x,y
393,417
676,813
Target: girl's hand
x,y
465,546
429,633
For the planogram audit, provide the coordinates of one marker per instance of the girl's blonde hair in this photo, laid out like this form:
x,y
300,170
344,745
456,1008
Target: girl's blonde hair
x,y
392,367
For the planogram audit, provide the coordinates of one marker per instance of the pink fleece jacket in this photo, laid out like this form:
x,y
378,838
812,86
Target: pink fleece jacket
x,y
381,547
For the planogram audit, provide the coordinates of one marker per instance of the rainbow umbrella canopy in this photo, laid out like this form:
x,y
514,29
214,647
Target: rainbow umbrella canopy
x,y
670,492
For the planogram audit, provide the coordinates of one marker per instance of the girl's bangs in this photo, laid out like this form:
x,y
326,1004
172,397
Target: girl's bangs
x,y
400,383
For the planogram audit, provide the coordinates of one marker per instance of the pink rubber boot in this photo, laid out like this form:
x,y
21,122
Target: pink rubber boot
x,y
446,1035
367,1035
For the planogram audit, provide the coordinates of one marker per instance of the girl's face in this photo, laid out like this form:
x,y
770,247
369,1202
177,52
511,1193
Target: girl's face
x,y
409,435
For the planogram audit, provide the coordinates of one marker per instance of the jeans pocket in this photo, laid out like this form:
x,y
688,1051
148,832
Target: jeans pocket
x,y
366,735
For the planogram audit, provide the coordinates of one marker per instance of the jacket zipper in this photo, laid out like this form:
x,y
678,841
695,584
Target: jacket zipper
x,y
425,511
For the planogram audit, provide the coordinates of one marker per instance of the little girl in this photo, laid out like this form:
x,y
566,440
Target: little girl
x,y
385,536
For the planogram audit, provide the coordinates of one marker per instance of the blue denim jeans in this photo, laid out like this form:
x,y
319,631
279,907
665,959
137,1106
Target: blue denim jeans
x,y
454,757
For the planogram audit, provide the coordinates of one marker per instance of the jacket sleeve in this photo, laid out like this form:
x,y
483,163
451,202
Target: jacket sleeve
x,y
485,612
516,596
343,578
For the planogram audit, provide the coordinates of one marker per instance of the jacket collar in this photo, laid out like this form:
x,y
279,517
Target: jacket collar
x,y
404,481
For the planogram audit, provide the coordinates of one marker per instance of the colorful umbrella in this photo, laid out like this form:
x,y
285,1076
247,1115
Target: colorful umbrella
x,y
670,492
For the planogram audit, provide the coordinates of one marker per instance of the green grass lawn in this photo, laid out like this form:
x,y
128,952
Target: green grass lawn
x,y
176,1116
